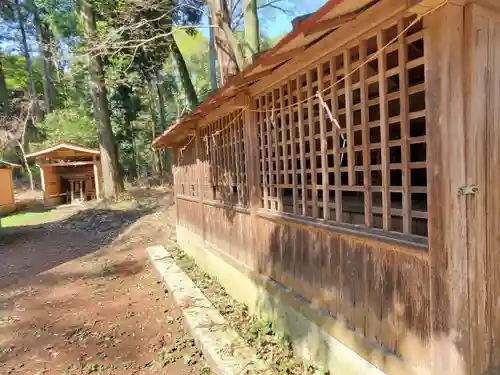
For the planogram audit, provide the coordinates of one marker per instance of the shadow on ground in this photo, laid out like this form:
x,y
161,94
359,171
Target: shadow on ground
x,y
29,250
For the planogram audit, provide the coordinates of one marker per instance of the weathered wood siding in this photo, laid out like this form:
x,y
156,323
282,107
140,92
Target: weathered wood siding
x,y
362,216
6,188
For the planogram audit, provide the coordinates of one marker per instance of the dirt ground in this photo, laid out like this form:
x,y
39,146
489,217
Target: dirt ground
x,y
78,295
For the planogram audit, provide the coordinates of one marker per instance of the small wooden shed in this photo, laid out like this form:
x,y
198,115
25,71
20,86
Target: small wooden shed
x,y
7,201
350,176
69,172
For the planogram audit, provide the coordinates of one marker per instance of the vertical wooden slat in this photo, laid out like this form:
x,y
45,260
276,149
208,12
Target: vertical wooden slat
x,y
238,159
301,147
324,159
336,146
277,172
216,144
211,150
230,151
312,143
384,134
445,101
292,126
284,130
263,152
367,178
348,117
405,128
269,126
200,179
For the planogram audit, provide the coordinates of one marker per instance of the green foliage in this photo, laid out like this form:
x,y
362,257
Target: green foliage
x,y
71,125
14,67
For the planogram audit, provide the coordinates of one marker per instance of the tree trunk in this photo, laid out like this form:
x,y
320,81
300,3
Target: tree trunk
x,y
4,93
213,57
187,84
44,38
154,120
112,181
25,162
164,154
132,167
252,39
161,100
225,42
29,64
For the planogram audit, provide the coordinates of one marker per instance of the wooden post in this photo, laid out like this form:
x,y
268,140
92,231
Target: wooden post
x,y
252,167
42,181
200,178
96,180
445,101
72,187
81,190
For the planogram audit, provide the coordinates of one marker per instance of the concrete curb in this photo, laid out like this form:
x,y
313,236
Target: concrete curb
x,y
226,352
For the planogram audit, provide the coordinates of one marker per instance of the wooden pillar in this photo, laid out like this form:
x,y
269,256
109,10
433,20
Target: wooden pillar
x,y
445,105
81,190
42,181
175,170
200,178
252,167
96,179
72,188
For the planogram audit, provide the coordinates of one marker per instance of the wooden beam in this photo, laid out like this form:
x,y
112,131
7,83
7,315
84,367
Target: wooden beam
x,y
332,23
68,164
279,58
372,18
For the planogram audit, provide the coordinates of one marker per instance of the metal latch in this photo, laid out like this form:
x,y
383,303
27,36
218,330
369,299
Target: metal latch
x,y
466,190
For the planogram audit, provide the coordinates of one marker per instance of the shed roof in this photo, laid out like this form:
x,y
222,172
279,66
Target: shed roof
x,y
331,16
5,164
64,146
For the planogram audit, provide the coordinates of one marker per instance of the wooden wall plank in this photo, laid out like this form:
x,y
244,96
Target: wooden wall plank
x,y
444,56
493,182
476,50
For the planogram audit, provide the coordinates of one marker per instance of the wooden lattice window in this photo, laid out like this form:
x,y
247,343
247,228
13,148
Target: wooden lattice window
x,y
224,141
368,166
186,179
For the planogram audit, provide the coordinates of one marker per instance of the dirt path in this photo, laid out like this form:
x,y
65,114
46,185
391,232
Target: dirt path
x,y
78,296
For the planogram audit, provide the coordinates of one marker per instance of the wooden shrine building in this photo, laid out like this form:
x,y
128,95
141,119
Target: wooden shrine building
x,y
69,173
347,184
7,201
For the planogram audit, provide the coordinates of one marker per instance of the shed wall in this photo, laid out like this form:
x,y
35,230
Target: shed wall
x,y
6,189
431,303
